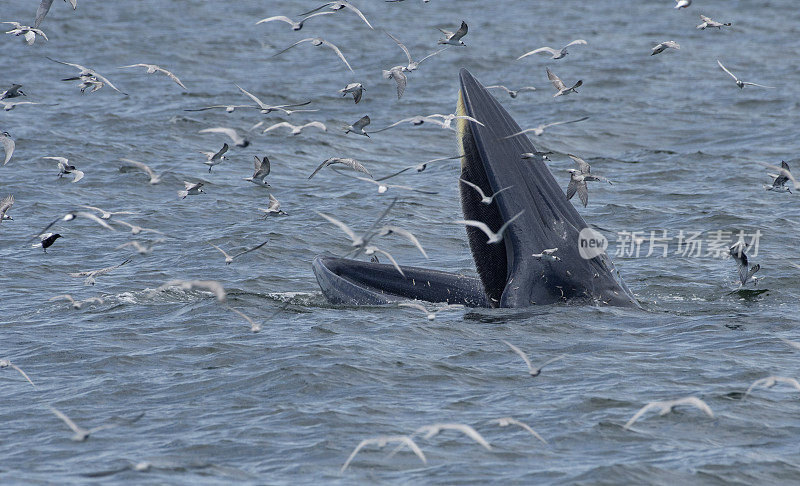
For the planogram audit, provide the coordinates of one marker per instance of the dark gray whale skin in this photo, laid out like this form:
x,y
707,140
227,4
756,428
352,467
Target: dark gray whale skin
x,y
508,276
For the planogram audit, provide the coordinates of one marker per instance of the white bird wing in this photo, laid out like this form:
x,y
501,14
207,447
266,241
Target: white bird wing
x,y
407,235
727,71
461,32
477,224
474,186
577,42
171,76
362,122
564,122
507,223
391,259
254,97
414,305
279,125
557,83
72,425
5,204
224,253
641,412
402,46
21,372
582,165
349,232
282,18
41,12
316,124
8,147
307,39
499,86
541,49
756,84
521,354
77,175
358,12
338,52
432,54
695,402
230,132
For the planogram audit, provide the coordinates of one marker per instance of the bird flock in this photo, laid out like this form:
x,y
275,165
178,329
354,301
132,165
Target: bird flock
x,y
89,80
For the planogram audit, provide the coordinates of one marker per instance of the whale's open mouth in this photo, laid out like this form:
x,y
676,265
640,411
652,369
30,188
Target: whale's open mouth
x,y
510,274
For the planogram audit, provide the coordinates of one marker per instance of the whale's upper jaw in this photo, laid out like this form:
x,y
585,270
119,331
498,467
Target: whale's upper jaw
x,y
511,276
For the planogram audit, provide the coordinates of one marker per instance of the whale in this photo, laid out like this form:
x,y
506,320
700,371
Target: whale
x,y
508,273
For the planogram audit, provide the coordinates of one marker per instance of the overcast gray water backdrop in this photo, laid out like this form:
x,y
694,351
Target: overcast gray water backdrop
x,y
290,403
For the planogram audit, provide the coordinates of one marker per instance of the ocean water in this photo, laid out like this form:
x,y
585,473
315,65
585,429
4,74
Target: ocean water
x,y
223,405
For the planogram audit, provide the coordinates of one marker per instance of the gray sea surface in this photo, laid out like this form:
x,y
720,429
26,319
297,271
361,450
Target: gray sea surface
x,y
223,405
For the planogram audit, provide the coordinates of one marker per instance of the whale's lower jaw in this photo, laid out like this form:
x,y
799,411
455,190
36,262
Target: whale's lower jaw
x,y
508,274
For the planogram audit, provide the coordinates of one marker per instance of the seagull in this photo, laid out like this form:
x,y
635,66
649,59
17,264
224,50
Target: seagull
x,y
356,89
782,171
454,38
77,304
106,214
229,259
663,46
91,275
152,68
208,285
338,5
560,86
484,198
10,105
44,7
430,314
318,41
4,363
296,129
139,247
539,130
555,53
154,178
28,32
512,92
81,434
87,73
228,108
295,25
399,77
578,178
412,65
381,442
5,206
351,163
741,84
262,168
448,119
358,127
254,326
435,429
547,253
493,237
771,381
265,108
746,272
383,187
237,139
682,3
191,189
274,208
506,421
8,146
135,230
666,407
535,155
47,240
534,371
64,168
12,92
215,158
418,167
780,180
707,22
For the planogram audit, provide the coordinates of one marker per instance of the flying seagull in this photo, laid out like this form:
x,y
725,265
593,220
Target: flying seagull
x,y
106,214
356,89
87,74
261,171
5,206
229,259
154,178
454,38
91,275
555,53
296,129
12,92
561,88
295,25
27,32
274,208
771,381
318,41
435,429
782,171
265,108
382,442
152,68
338,5
237,139
746,272
254,326
741,84
779,180
347,162
412,65
663,46
399,77
707,22
513,93
81,434
536,154
65,168
215,158
484,198
539,130
358,127
666,406
191,189
578,178
533,370
493,237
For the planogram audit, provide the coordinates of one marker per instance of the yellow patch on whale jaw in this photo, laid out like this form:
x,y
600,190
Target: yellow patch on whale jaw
x,y
462,125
